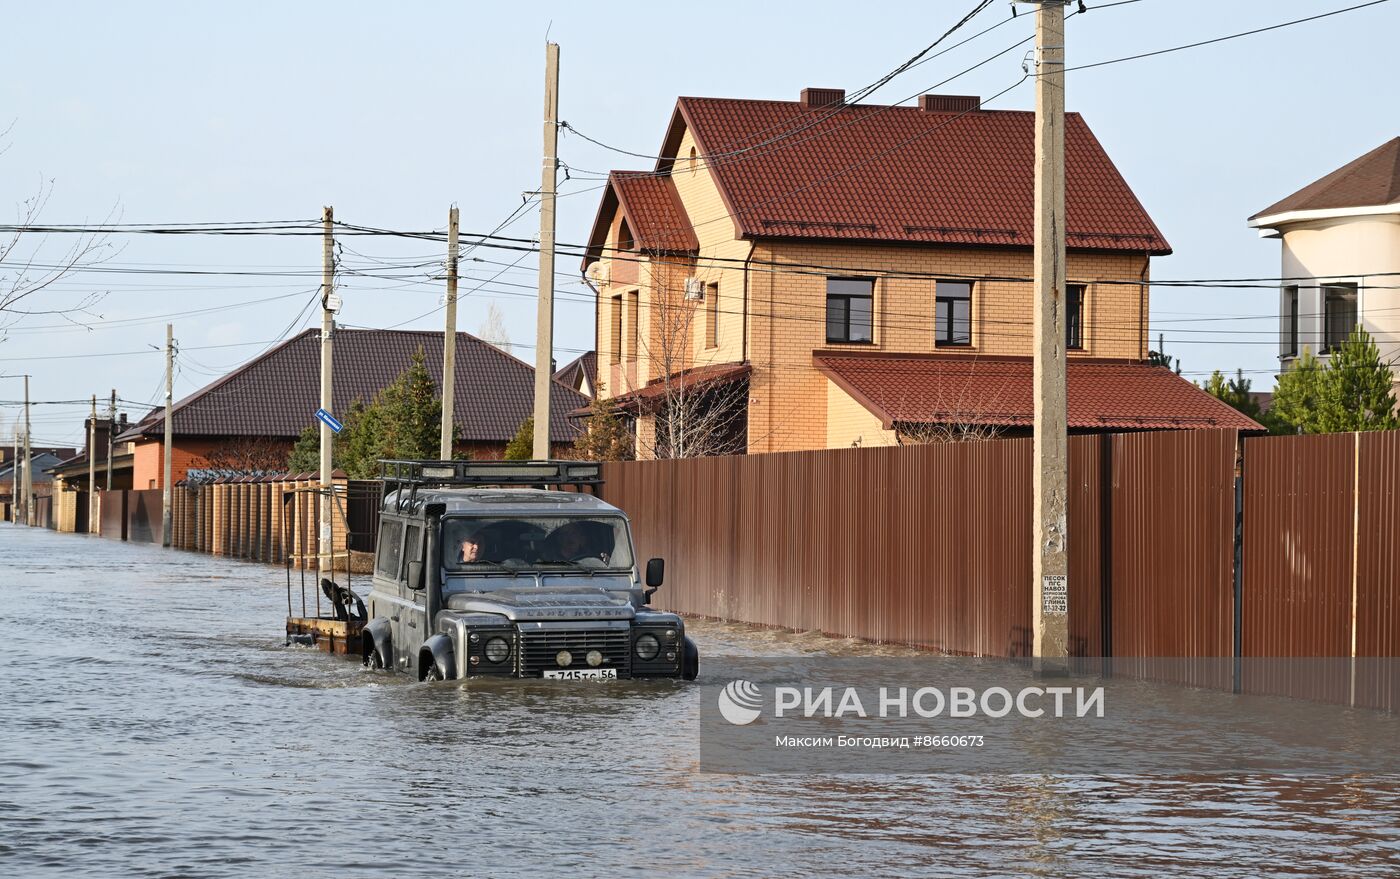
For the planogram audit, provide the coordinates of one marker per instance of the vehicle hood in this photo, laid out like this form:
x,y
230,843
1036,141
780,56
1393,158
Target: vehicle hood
x,y
546,602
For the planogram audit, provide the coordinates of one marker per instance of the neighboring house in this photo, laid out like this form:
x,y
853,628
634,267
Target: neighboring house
x,y
71,474
42,462
251,418
823,275
1341,257
581,373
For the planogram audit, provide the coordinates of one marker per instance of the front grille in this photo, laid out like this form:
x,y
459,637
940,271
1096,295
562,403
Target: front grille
x,y
537,650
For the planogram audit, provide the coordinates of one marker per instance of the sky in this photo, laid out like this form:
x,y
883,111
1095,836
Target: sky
x,y
392,113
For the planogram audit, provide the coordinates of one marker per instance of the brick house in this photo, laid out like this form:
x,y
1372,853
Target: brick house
x,y
833,275
256,412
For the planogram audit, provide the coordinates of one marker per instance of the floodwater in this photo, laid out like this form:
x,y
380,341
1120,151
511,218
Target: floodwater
x,y
153,724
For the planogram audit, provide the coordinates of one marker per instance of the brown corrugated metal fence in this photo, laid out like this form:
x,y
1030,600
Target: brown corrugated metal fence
x,y
930,545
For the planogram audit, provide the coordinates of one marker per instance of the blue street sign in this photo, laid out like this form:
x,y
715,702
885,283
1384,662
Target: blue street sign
x,y
329,420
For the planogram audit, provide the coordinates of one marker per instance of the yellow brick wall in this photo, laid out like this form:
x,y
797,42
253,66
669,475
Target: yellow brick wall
x,y
848,423
788,406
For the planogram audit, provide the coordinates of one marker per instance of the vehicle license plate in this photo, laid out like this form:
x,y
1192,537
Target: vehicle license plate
x,y
582,674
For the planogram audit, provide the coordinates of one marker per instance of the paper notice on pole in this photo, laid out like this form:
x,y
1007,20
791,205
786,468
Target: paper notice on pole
x,y
1054,595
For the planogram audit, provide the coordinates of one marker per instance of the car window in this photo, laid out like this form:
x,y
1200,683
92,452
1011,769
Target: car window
x,y
536,543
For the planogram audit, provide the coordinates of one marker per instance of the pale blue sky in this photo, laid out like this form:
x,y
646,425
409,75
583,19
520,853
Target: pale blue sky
x,y
392,112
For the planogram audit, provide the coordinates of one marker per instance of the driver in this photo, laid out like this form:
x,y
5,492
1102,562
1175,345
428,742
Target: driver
x,y
470,550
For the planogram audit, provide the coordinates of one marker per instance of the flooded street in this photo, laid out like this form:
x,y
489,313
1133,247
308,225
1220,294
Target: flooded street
x,y
155,725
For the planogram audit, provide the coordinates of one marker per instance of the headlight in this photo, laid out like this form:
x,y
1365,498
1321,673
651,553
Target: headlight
x,y
497,649
647,647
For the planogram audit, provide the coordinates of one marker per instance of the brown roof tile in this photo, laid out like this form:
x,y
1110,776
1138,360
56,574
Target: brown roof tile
x,y
878,173
277,394
1371,180
926,389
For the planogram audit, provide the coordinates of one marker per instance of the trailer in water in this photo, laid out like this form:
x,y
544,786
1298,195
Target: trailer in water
x,y
335,626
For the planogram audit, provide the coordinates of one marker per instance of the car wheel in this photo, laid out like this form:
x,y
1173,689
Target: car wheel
x,y
433,673
373,660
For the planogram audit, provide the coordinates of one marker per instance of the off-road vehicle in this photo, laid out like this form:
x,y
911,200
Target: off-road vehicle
x,y
513,569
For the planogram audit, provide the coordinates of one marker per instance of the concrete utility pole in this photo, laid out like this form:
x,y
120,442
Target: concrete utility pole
x,y
111,434
14,476
167,493
29,511
449,342
92,466
544,334
323,547
1051,560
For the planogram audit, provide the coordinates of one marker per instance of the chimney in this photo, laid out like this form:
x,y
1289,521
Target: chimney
x,y
949,103
812,98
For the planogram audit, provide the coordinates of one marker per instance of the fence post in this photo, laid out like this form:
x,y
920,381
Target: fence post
x,y
1238,625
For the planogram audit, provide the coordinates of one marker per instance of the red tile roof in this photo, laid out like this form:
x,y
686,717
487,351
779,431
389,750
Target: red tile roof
x,y
1369,181
902,174
698,377
930,389
653,211
277,394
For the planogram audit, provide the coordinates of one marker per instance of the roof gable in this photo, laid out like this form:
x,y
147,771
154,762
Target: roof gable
x,y
1371,180
653,211
278,393
901,174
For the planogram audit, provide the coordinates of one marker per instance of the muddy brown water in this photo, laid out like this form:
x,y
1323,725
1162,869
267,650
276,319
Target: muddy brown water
x,y
153,724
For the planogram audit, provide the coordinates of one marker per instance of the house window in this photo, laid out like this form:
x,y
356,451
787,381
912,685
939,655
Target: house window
x,y
849,309
711,315
692,160
1339,313
1290,320
952,313
634,335
616,335
625,241
1074,317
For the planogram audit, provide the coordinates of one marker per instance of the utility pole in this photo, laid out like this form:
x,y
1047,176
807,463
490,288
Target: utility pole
x,y
1050,611
323,547
14,476
92,466
544,333
449,342
111,434
29,510
167,494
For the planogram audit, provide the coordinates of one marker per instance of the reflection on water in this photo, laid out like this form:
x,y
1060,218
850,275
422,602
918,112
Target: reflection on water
x,y
154,725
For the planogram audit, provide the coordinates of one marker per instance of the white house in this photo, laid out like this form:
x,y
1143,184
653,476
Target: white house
x,y
1341,256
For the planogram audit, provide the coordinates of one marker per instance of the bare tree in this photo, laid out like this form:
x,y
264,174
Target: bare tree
x,y
693,417
248,456
493,328
23,273
954,414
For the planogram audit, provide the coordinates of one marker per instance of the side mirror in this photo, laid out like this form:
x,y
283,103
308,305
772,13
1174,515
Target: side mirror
x,y
656,573
415,574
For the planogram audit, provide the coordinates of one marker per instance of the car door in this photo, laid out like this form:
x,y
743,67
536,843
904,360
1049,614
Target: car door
x,y
412,614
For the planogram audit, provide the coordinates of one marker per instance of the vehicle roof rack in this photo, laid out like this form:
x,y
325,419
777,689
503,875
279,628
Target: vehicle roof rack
x,y
403,474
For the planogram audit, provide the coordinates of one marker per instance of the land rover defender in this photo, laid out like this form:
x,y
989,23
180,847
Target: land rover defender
x,y
496,568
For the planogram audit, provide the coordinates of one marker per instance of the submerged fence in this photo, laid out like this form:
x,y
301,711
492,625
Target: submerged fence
x,y
930,545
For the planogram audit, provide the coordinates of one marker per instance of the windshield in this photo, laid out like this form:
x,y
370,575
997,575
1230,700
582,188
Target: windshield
x,y
536,543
